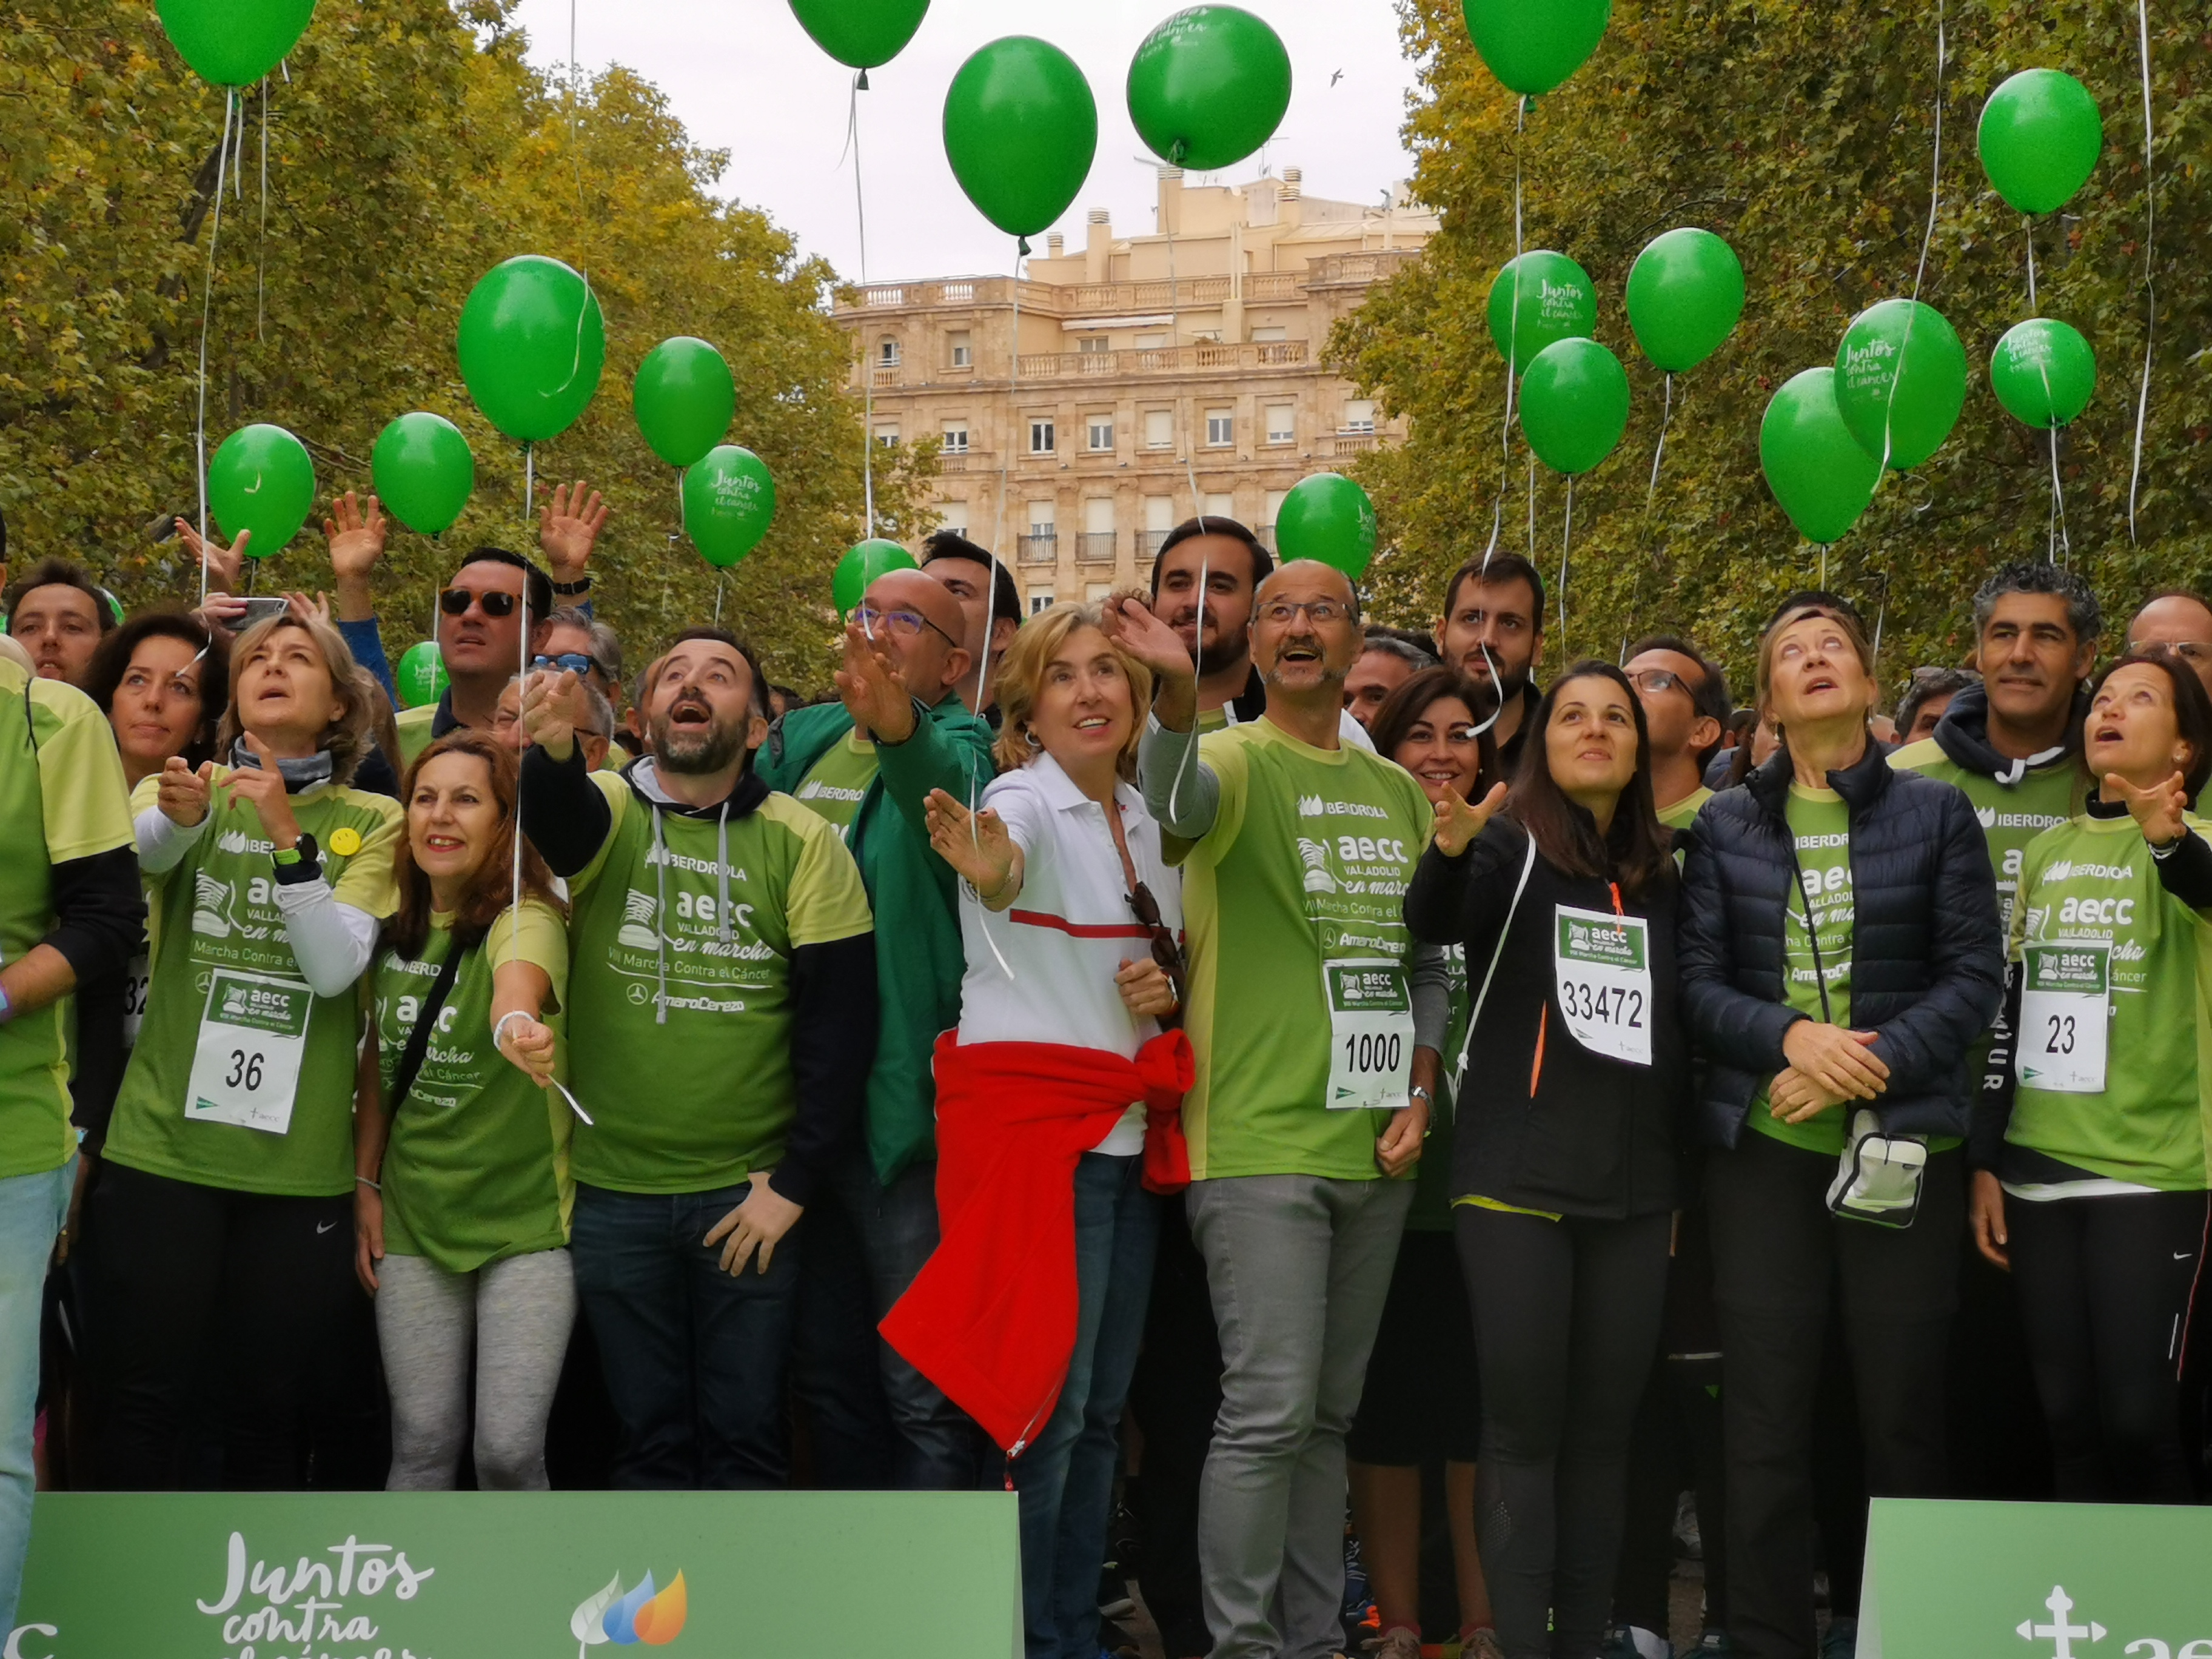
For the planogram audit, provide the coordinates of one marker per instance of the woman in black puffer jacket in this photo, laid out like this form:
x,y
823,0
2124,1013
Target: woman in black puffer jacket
x,y
1840,951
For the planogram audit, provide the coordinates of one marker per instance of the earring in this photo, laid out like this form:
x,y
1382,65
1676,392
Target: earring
x,y
1030,737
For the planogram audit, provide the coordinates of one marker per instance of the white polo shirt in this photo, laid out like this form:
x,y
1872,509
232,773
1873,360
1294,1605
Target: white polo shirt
x,y
1070,928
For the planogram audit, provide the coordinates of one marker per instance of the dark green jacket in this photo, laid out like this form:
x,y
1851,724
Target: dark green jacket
x,y
919,956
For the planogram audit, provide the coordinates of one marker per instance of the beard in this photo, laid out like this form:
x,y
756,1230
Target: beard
x,y
695,749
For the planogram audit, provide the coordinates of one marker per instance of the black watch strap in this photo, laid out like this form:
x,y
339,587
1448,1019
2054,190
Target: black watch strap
x,y
308,866
571,590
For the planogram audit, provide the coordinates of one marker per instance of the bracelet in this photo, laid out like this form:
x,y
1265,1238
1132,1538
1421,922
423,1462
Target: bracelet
x,y
365,1182
499,1031
570,590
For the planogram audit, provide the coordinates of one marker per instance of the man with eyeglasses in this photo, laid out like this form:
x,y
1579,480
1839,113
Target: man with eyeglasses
x,y
1686,712
2176,620
1314,1078
867,764
1492,631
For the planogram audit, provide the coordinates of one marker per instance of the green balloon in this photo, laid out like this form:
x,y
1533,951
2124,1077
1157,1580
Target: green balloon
x,y
1685,295
685,399
261,481
861,565
531,346
861,32
2040,137
728,499
1910,346
2044,373
1020,130
1531,45
1574,404
421,676
423,471
1813,463
233,43
1543,296
1327,517
1208,86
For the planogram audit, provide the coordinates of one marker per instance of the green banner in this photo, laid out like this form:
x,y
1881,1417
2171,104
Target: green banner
x,y
519,1576
2036,1581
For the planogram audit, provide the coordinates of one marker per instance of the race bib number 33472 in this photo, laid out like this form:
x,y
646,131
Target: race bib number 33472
x,y
1602,965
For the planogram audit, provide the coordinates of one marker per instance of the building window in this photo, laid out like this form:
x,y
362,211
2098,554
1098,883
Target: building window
x,y
1358,415
1152,342
1092,342
1159,428
1269,335
887,353
887,433
963,349
1282,423
956,438
1099,432
1042,514
1220,427
1041,440
1040,599
1222,505
953,515
1270,509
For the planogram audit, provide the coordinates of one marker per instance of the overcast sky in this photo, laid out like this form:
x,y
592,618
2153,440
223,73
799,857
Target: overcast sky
x,y
743,76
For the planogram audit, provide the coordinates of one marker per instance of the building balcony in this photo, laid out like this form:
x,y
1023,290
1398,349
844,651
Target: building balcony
x,y
1040,547
1111,298
1095,546
885,375
963,460
1148,542
1359,269
1354,443
1162,360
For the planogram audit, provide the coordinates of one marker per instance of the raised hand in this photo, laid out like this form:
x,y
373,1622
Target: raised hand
x,y
262,789
976,845
872,691
2157,811
183,792
220,614
308,607
1457,824
222,564
356,542
1131,624
568,525
553,706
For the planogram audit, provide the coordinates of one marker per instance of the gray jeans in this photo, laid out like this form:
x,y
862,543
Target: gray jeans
x,y
515,1317
1297,1267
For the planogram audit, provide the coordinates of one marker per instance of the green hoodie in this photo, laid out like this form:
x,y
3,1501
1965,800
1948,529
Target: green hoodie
x,y
920,960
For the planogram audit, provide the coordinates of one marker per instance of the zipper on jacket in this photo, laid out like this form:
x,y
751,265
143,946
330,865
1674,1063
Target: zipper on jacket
x,y
1536,1066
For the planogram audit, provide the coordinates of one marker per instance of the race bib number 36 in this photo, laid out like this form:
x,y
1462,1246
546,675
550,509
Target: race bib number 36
x,y
245,1070
2063,1016
1602,966
1370,1018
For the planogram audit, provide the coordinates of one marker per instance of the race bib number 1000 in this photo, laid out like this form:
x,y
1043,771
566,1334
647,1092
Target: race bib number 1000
x,y
1603,968
245,1070
2063,1018
1370,1018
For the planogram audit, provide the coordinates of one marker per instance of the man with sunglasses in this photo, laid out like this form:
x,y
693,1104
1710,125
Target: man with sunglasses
x,y
867,764
1686,711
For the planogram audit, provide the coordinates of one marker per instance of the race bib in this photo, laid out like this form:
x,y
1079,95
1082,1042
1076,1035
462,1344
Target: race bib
x,y
1370,1017
1601,966
2064,1016
136,980
253,1033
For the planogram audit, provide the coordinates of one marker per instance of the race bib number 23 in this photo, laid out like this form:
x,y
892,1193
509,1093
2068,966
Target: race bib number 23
x,y
2063,1017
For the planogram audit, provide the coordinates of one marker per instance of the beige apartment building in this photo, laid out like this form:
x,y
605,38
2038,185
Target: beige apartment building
x,y
1076,408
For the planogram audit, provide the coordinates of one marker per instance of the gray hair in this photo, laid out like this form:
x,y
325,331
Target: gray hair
x,y
1411,655
1929,683
607,646
2083,614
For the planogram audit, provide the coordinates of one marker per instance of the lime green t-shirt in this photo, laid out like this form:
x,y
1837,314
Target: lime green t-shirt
x,y
2012,815
61,797
1308,861
414,725
1821,824
2093,879
1684,812
215,913
835,785
698,1098
477,1169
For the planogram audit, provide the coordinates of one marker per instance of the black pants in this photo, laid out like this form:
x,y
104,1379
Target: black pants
x,y
2104,1287
184,1281
1567,1322
1173,1399
1776,1251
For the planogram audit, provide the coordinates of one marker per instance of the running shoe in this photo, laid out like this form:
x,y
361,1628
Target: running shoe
x,y
1396,1643
1482,1645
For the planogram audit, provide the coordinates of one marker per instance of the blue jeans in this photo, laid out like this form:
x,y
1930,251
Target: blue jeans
x,y
1066,1479
31,1210
694,1356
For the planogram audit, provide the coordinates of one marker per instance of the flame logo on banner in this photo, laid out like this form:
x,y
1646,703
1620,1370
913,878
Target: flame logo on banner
x,y
655,1618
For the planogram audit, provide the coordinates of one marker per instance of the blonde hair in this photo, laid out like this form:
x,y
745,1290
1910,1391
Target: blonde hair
x,y
1021,677
348,739
1854,634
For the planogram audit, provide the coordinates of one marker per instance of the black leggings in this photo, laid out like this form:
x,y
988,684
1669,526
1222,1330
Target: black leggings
x,y
2104,1286
1567,1322
189,1288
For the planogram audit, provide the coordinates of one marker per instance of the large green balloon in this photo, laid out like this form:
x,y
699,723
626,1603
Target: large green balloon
x,y
861,32
1815,468
684,397
2039,139
1909,345
1574,404
532,344
1685,295
233,43
861,566
421,676
2044,373
423,471
1327,517
1020,130
261,480
1543,296
1208,86
1531,45
728,499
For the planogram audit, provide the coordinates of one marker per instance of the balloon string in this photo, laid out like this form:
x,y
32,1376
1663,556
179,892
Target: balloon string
x,y
1532,509
2064,543
2150,287
2028,224
261,242
1512,337
721,581
1666,414
207,302
867,364
1175,349
1926,241
1567,535
576,161
1824,564
529,481
1013,410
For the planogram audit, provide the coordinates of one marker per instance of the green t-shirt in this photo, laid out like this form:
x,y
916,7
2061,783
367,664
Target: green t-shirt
x,y
477,1169
2012,815
697,1100
835,785
1684,812
1821,824
414,726
2095,879
216,910
1309,858
61,799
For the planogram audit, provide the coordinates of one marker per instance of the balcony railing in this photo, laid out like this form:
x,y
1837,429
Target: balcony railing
x,y
1378,267
1354,443
884,374
963,460
1040,547
1148,542
1096,546
1103,299
1161,359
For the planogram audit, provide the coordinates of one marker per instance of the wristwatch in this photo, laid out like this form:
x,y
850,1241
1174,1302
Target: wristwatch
x,y
571,590
300,862
1420,1091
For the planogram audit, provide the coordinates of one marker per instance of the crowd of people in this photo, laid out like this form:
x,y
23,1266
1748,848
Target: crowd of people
x,y
1269,1089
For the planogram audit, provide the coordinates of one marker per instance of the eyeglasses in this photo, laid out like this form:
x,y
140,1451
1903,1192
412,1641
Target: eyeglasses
x,y
575,661
900,624
1320,612
455,602
2195,651
1657,680
1165,951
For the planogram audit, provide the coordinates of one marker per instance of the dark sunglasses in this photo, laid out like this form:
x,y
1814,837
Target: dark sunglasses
x,y
455,602
575,661
1165,951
